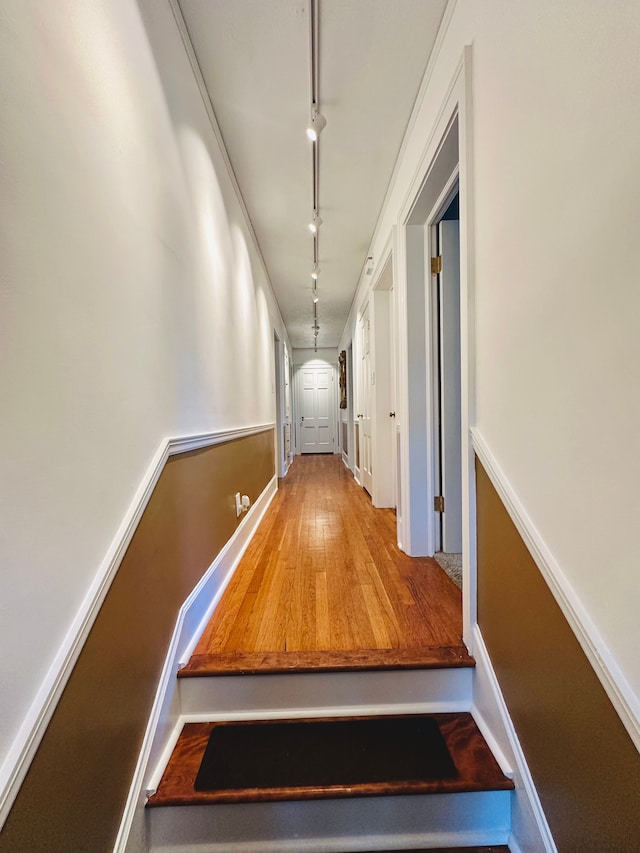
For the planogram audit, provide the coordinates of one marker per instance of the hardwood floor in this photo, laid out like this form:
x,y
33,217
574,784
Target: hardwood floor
x,y
323,586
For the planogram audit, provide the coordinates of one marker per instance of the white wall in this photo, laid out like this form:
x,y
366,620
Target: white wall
x,y
323,355
133,305
556,189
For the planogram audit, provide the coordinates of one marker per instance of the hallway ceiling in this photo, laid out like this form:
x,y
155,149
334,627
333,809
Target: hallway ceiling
x,y
255,59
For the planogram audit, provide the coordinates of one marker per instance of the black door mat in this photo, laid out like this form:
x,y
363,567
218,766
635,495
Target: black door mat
x,y
324,753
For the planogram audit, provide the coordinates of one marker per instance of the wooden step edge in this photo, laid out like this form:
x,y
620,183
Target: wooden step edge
x,y
475,764
493,848
266,663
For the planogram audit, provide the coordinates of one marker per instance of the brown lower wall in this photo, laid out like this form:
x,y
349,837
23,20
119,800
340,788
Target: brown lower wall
x,y
584,764
75,791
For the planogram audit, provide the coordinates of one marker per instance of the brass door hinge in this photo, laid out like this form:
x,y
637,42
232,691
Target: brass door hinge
x,y
436,265
438,503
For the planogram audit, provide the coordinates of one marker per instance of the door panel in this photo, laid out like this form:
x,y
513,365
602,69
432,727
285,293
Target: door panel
x,y
450,386
316,410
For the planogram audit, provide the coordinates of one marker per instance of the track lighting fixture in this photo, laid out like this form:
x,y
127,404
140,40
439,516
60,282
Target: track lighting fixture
x,y
316,298
316,125
315,272
315,223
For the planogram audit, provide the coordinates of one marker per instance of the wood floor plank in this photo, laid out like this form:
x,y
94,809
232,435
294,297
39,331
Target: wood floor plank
x,y
322,624
340,660
325,580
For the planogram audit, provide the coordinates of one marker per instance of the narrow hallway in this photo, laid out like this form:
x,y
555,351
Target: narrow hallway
x,y
342,720
323,586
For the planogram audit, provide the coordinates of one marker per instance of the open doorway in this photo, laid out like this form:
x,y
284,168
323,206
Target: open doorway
x,y
282,389
433,299
419,451
446,385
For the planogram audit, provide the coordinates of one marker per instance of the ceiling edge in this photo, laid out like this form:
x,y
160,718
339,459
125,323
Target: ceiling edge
x,y
447,15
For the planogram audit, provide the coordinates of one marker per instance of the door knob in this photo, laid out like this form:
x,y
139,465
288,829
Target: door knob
x,y
392,414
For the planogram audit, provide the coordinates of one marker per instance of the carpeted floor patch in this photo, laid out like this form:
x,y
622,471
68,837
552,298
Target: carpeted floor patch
x,y
323,753
452,565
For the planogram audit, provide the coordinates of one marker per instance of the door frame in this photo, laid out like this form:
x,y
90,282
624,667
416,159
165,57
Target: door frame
x,y
383,388
278,389
414,334
450,190
320,364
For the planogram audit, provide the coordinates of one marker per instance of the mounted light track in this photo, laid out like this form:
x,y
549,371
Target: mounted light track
x,y
315,128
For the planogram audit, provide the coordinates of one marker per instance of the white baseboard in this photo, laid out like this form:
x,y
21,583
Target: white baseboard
x,y
26,742
162,729
618,689
531,831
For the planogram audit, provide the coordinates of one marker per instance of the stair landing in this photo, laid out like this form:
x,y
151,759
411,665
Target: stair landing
x,y
323,587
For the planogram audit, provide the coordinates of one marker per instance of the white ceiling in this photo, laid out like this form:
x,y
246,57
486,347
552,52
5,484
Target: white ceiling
x,y
255,60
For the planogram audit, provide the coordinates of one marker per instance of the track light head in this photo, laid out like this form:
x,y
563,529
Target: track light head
x,y
316,125
315,223
316,298
315,272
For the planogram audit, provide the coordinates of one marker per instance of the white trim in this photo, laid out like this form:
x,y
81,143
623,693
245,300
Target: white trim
x,y
189,625
152,784
524,782
381,263
26,742
392,709
493,744
600,657
450,106
208,439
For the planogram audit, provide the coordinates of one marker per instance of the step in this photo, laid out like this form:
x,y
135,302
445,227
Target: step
x,y
468,802
242,663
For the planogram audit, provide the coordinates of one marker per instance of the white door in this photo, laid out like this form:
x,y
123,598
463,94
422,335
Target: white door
x,y
364,398
316,410
448,405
